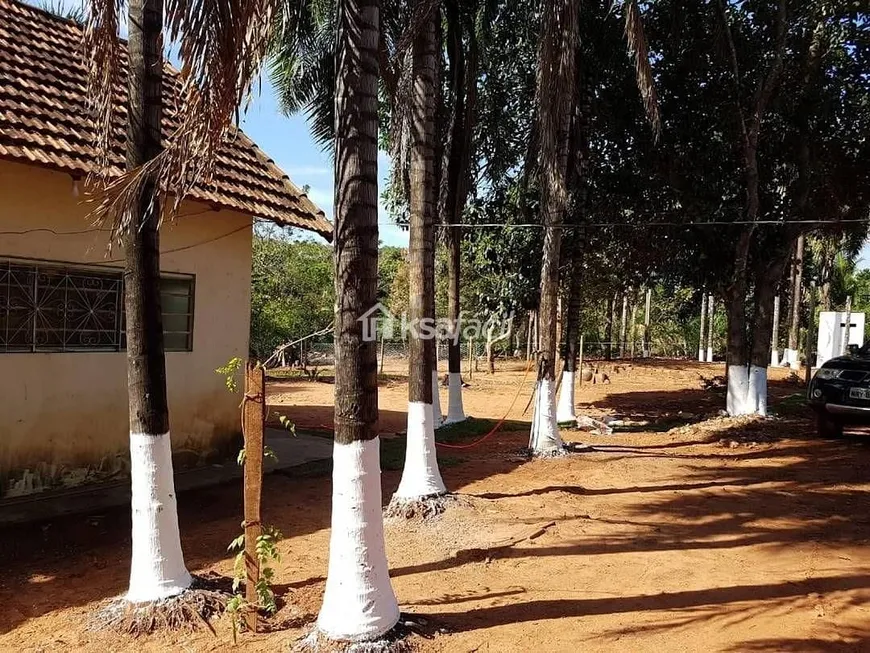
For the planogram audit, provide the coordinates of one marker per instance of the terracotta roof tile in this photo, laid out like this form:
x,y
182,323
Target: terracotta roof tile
x,y
43,121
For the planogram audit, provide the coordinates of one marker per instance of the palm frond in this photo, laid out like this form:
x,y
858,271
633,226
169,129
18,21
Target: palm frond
x,y
639,51
221,46
103,53
302,66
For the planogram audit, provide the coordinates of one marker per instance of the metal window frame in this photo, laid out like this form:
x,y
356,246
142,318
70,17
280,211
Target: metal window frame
x,y
82,269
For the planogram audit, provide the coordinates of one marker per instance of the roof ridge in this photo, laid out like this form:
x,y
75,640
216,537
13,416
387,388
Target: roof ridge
x,y
48,66
45,12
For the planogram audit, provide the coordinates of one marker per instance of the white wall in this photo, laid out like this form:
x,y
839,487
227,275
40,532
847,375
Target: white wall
x,y
832,332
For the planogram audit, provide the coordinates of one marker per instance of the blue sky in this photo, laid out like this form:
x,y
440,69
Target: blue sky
x,y
288,141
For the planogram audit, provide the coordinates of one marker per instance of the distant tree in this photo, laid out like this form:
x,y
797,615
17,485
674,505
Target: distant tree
x,y
292,291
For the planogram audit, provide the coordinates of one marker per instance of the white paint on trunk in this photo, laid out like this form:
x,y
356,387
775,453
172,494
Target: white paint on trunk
x,y
565,410
455,411
420,476
545,436
157,568
747,390
738,390
701,355
756,399
358,602
791,358
709,354
437,417
774,358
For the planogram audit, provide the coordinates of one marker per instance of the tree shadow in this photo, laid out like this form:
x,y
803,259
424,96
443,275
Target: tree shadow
x,y
691,605
79,559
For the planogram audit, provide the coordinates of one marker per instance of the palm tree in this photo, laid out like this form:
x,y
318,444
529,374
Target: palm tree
x,y
358,602
157,569
555,92
218,67
420,477
573,250
462,28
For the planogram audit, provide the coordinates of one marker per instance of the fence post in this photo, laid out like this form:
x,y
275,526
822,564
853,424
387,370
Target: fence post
x,y
253,419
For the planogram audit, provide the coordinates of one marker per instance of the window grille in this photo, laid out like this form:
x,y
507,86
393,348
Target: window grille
x,y
53,307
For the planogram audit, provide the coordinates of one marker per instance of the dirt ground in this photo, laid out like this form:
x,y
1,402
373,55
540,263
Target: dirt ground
x,y
681,531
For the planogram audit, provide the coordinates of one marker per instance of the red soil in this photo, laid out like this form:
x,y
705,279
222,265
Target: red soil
x,y
730,535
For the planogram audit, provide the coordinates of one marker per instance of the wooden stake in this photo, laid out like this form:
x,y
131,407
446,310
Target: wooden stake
x,y
253,419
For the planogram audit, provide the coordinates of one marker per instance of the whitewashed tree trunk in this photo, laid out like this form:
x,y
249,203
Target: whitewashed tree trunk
x,y
455,410
437,417
565,411
358,601
157,569
702,342
646,323
774,340
711,305
545,437
420,475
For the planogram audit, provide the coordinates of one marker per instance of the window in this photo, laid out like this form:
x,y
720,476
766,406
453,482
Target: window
x,y
55,307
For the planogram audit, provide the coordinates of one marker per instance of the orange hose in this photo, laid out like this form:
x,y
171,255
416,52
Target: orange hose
x,y
491,432
497,424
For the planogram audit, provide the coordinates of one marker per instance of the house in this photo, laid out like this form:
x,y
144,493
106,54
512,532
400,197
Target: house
x,y
64,417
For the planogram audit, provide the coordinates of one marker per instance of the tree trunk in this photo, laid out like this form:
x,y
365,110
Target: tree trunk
x,y
767,279
531,329
464,91
623,324
774,338
646,323
358,601
736,350
608,327
848,326
791,354
420,476
157,567
565,411
702,342
711,305
555,90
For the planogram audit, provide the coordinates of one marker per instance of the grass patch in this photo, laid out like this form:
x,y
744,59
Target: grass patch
x,y
286,374
475,427
794,405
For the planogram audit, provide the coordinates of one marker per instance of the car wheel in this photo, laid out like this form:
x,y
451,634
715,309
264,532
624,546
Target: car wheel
x,y
827,426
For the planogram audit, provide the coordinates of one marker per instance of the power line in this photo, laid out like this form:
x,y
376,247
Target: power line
x,y
645,225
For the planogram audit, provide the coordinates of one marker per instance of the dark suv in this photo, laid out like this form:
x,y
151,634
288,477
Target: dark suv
x,y
840,392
